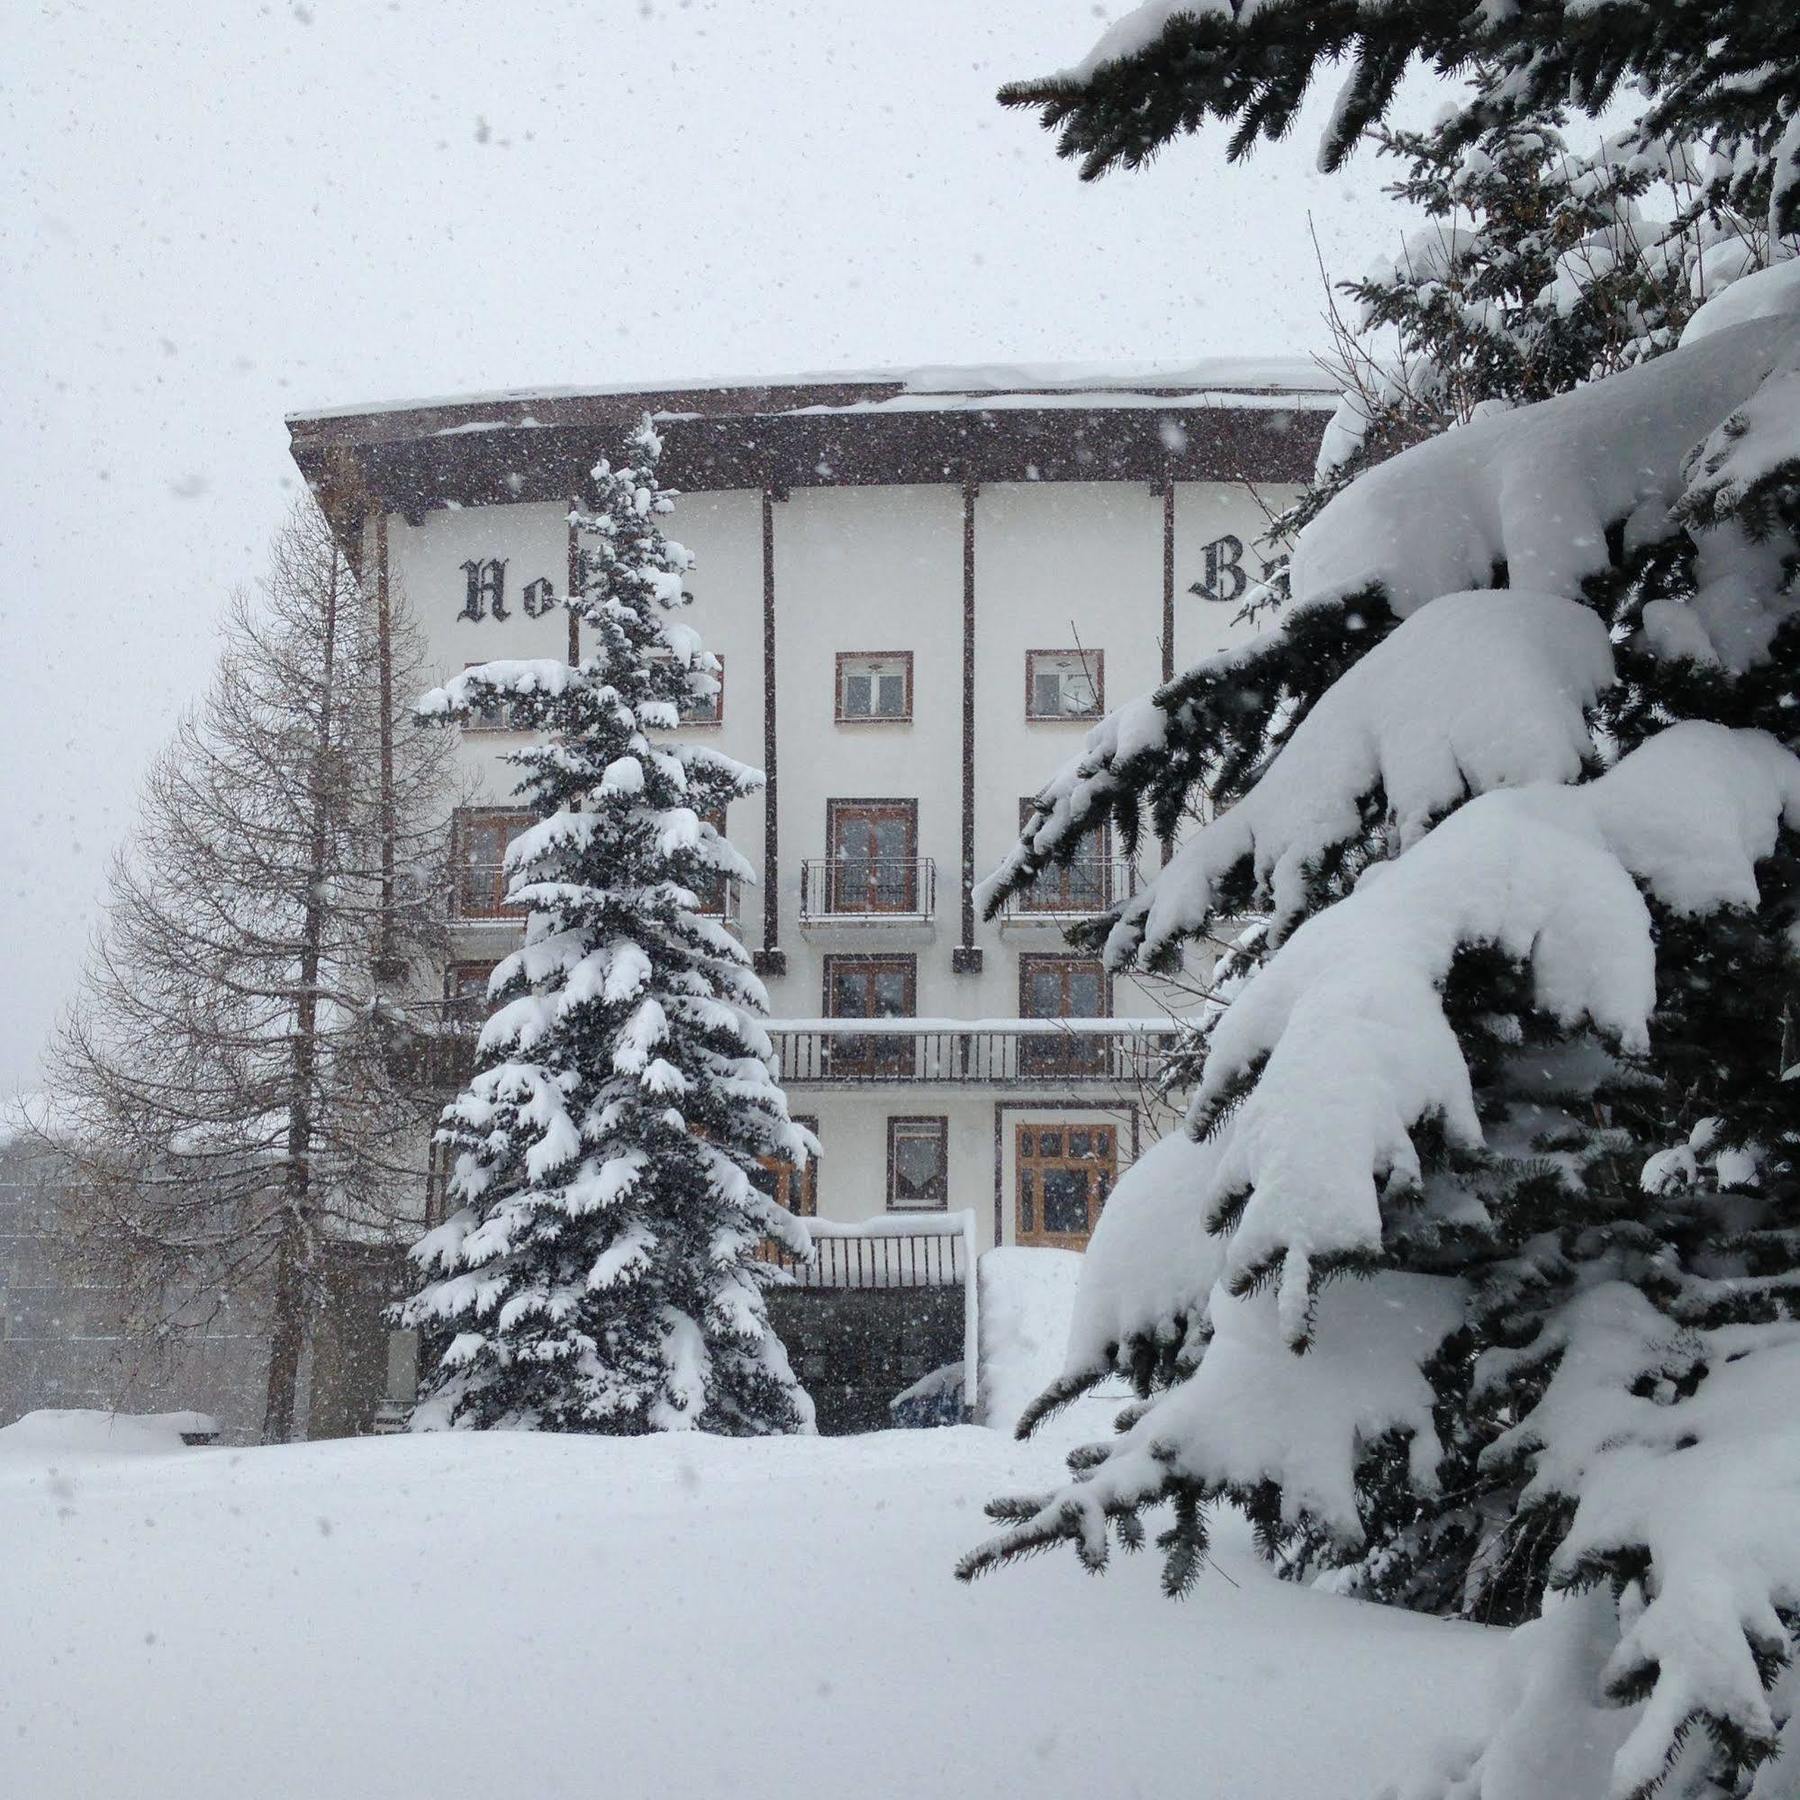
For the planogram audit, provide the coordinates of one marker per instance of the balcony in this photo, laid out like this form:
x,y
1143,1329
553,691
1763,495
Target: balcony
x,y
978,1053
478,897
1063,894
858,892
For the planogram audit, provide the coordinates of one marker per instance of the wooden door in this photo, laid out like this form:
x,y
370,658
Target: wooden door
x,y
870,987
1061,987
874,856
1063,1175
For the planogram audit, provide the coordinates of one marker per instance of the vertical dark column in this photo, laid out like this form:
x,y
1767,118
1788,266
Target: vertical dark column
x,y
574,584
384,654
965,959
1168,595
770,959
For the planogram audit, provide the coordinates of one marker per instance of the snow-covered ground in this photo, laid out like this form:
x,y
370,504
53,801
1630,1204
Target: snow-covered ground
x,y
502,1616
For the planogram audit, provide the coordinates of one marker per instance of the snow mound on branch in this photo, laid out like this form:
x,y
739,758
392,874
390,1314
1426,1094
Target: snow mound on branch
x,y
1254,1413
1135,31
1151,1260
1694,1496
1762,294
1549,1731
1535,489
1349,1017
1476,692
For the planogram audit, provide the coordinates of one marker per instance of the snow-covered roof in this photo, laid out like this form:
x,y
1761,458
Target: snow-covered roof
x,y
1218,377
1224,418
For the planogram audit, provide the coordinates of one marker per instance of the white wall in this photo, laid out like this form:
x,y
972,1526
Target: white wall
x,y
880,568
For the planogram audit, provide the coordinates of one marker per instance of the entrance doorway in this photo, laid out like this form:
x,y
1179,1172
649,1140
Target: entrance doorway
x,y
1063,1175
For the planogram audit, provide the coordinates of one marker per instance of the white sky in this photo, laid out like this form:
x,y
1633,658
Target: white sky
x,y
217,212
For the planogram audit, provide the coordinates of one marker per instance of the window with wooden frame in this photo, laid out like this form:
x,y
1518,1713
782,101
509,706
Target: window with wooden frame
x,y
795,1189
494,715
874,855
874,687
870,987
714,891
708,709
478,840
1063,1175
1065,684
1062,987
1083,885
918,1164
466,1005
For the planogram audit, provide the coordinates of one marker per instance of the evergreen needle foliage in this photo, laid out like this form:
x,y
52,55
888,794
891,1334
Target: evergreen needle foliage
x,y
601,1271
1478,1283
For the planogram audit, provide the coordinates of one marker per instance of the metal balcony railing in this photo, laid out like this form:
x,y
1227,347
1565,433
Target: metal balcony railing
x,y
982,1053
868,890
1076,890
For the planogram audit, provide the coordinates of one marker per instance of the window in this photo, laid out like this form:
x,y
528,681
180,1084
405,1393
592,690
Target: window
x,y
874,865
918,1165
870,987
714,891
1083,885
795,1189
478,854
708,709
873,686
466,996
1064,1175
1065,684
495,715
1061,987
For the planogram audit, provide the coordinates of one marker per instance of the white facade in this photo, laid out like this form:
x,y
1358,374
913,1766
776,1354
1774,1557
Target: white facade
x,y
880,566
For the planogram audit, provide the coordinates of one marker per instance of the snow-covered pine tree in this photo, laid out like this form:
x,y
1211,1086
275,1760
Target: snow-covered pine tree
x,y
1539,267
1480,1273
601,1272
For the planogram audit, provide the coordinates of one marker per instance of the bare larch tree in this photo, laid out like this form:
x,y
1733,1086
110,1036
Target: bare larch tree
x,y
234,1081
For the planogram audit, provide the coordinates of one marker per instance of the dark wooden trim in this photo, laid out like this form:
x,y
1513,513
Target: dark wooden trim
x,y
1168,578
840,717
1047,1104
574,586
942,1122
962,965
415,462
771,875
1093,661
1168,606
762,404
385,679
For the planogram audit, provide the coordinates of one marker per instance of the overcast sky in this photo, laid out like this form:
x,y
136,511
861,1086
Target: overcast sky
x,y
218,212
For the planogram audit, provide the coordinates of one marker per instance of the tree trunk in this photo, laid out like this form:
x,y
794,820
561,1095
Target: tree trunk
x,y
288,1313
287,1333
